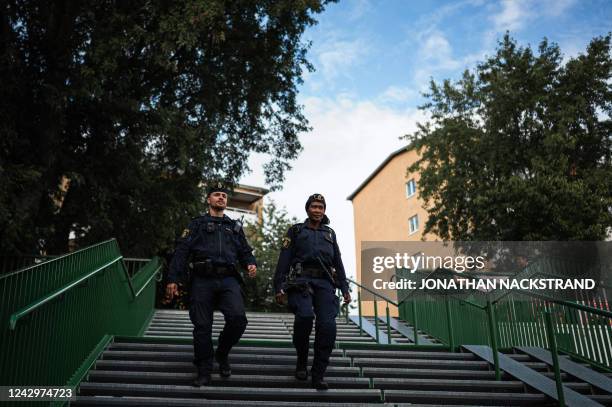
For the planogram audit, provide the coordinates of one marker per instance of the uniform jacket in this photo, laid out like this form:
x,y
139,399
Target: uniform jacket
x,y
303,244
210,237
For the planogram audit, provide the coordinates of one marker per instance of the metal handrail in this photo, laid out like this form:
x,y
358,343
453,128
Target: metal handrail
x,y
16,316
54,259
376,323
372,292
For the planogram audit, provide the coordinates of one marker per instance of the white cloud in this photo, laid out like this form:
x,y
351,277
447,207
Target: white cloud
x,y
360,8
516,14
434,55
350,138
394,94
337,56
513,16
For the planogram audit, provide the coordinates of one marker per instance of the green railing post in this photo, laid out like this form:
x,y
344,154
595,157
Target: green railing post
x,y
414,322
376,320
346,311
359,310
449,321
493,338
388,324
552,343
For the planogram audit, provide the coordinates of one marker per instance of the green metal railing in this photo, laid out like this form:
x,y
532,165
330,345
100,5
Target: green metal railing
x,y
508,319
54,313
378,299
515,318
13,263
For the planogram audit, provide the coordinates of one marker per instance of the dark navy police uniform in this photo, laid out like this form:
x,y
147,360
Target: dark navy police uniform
x,y
313,293
218,243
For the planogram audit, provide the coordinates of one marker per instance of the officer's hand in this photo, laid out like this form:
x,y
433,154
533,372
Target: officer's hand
x,y
252,270
347,298
171,291
280,297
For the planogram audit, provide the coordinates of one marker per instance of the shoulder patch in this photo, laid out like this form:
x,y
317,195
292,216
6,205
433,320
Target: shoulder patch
x,y
286,242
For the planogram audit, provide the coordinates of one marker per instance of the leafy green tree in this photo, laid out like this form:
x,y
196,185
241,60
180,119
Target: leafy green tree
x,y
520,148
137,103
266,238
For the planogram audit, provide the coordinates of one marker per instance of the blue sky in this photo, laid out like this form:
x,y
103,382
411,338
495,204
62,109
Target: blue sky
x,y
389,49
374,58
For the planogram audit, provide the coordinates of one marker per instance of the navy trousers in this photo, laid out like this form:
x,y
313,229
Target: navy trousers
x,y
208,294
321,303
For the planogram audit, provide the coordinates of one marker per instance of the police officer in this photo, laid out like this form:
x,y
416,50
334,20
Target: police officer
x,y
309,270
211,246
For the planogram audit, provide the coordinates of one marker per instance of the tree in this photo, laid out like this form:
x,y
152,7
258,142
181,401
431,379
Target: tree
x,y
137,103
520,149
266,238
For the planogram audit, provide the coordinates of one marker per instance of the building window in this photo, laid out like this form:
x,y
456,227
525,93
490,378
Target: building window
x,y
413,223
410,188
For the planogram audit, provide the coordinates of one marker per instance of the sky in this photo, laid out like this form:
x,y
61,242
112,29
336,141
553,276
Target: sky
x,y
374,58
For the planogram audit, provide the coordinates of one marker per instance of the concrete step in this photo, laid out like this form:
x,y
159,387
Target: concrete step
x,y
168,347
189,334
182,402
436,373
166,378
234,358
604,399
229,393
284,336
422,363
520,357
467,398
237,368
408,354
448,385
249,328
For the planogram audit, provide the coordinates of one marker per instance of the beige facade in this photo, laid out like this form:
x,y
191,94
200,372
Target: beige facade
x,y
247,201
383,207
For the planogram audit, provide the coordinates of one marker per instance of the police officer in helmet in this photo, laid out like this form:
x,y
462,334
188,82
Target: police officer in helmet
x,y
212,246
309,270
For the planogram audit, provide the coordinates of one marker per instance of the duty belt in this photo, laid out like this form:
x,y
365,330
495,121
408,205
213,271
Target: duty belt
x,y
206,269
312,272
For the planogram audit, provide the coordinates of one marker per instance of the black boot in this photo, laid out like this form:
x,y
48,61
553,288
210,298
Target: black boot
x,y
203,379
319,384
301,371
224,367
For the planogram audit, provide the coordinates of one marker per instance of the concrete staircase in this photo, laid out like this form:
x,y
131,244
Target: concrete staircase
x,y
265,326
157,370
402,331
594,385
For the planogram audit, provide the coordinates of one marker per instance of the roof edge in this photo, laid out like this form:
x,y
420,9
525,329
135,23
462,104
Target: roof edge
x,y
377,170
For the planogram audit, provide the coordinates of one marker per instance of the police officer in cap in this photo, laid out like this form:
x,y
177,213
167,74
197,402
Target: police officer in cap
x,y
309,270
212,246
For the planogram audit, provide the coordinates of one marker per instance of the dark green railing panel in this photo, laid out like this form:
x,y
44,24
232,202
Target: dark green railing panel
x,y
12,263
65,309
582,321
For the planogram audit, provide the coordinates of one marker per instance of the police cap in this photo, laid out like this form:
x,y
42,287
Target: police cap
x,y
315,198
216,187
